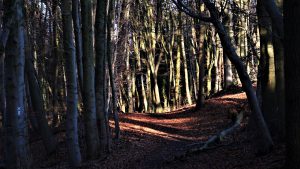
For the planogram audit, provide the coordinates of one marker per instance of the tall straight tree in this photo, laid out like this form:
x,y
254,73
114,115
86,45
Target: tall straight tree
x,y
89,100
72,94
78,40
200,34
100,44
292,81
3,40
109,55
15,126
267,67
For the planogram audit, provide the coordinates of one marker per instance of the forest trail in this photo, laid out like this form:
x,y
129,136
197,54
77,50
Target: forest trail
x,y
156,140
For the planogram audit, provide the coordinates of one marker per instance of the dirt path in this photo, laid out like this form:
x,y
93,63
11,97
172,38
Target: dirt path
x,y
154,140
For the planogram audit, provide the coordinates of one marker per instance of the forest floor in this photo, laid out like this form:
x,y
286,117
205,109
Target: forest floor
x,y
161,140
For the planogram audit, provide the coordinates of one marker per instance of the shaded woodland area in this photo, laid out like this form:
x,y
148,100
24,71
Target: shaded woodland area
x,y
149,84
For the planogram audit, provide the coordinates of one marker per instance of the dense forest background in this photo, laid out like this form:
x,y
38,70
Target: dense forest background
x,y
74,66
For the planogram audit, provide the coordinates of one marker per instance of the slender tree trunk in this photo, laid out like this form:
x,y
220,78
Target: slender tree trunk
x,y
202,55
54,81
279,72
78,40
267,67
111,70
89,100
177,78
200,34
3,40
140,76
186,75
72,94
100,44
15,126
2,90
227,21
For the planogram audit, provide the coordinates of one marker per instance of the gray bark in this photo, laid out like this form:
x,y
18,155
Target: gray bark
x,y
72,94
15,124
111,71
89,100
78,40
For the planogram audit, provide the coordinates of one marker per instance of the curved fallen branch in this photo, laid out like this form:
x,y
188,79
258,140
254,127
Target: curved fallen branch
x,y
220,136
208,145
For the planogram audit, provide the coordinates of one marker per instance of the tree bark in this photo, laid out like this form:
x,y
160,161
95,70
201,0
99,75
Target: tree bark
x,y
100,44
279,72
78,40
89,100
72,94
200,34
111,70
15,126
267,70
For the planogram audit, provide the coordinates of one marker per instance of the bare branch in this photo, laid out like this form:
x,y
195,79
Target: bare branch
x,y
190,12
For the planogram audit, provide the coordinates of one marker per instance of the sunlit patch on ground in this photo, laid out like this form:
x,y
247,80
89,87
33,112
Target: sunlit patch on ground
x,y
149,140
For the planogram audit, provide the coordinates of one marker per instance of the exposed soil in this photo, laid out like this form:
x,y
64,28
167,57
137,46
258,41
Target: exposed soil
x,y
160,141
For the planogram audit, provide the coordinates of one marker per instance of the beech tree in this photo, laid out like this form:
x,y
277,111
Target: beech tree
x,y
15,124
100,44
89,99
71,80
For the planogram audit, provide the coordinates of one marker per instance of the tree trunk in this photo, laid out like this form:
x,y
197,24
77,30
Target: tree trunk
x,y
200,34
72,96
89,100
111,70
3,40
292,81
279,72
100,44
227,22
78,40
177,78
186,75
267,70
15,126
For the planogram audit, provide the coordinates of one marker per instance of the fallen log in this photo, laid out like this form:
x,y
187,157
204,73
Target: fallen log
x,y
211,143
220,136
